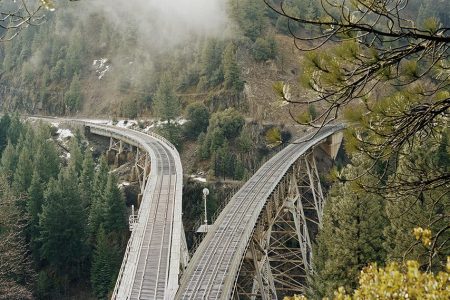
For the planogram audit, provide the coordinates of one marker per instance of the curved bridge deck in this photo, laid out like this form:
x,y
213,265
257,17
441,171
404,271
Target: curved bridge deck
x,y
212,271
151,265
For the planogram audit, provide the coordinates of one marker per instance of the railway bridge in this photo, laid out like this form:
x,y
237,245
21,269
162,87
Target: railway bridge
x,y
156,252
260,245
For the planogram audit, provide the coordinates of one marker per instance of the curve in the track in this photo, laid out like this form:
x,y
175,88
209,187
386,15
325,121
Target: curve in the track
x,y
212,270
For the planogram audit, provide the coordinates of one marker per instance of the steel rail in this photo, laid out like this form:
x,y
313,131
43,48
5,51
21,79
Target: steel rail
x,y
213,268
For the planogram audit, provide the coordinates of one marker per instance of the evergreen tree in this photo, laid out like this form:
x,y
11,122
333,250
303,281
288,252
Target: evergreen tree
x,y
62,226
115,209
9,161
97,211
231,69
166,103
352,234
23,172
16,129
76,157
5,121
16,269
87,180
102,270
47,160
74,97
34,208
198,116
428,208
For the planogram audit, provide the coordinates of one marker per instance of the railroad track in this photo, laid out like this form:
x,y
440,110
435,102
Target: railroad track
x,y
213,268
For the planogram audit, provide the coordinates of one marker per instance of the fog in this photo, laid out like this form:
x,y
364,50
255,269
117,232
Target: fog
x,y
164,23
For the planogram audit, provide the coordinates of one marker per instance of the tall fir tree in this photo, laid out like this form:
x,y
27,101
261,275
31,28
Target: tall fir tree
x,y
23,172
62,226
34,204
231,69
9,161
102,270
17,273
426,208
352,234
97,210
166,104
115,209
87,180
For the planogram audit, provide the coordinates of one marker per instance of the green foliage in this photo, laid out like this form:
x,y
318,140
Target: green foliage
x,y
74,98
224,128
264,48
87,180
17,272
102,271
425,208
250,15
352,233
198,116
62,226
273,137
166,103
34,209
5,121
9,161
115,210
173,133
96,213
211,68
232,76
229,120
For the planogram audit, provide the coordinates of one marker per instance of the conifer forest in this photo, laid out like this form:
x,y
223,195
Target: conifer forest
x,y
230,84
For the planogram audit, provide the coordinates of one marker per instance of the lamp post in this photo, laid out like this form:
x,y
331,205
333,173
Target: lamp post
x,y
205,193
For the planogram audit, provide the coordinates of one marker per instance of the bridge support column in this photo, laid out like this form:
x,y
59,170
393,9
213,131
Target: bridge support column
x,y
140,171
278,258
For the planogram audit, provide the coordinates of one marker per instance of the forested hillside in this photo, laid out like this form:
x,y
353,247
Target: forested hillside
x,y
229,83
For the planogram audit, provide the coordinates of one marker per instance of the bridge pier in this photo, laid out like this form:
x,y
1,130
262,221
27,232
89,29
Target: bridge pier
x,y
141,171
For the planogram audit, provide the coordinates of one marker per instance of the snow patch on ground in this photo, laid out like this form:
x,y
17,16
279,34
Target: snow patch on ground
x,y
198,178
123,184
127,123
64,134
101,67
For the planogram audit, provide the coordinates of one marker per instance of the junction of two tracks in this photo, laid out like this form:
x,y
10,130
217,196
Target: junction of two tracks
x,y
258,248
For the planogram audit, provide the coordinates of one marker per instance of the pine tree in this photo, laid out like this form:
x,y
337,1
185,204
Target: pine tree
x,y
17,273
74,97
231,69
47,161
5,121
9,161
87,180
62,226
76,157
34,208
352,234
166,104
23,172
115,209
102,270
426,208
97,211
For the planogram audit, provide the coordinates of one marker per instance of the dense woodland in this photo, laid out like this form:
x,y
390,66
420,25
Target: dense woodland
x,y
63,221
